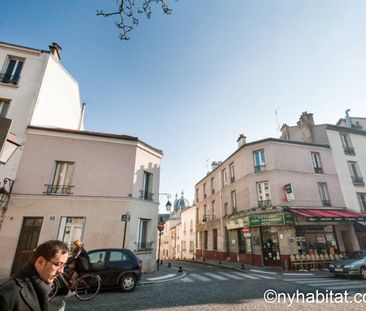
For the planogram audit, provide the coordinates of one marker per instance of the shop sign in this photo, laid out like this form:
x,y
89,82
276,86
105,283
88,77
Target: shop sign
x,y
334,219
289,192
246,230
270,220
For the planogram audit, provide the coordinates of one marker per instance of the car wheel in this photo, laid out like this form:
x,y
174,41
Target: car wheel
x,y
128,282
363,273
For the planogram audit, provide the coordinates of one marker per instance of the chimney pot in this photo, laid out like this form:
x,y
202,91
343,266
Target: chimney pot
x,y
55,50
241,140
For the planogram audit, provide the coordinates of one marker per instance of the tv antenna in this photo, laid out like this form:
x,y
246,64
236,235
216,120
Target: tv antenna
x,y
278,123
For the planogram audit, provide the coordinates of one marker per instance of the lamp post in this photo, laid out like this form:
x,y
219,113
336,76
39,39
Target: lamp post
x,y
161,229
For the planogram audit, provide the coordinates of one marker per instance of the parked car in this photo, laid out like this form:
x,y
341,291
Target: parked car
x,y
353,264
116,267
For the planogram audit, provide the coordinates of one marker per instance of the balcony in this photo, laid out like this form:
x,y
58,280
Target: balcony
x,y
349,151
358,181
58,189
146,195
9,79
265,203
326,203
318,170
143,246
259,168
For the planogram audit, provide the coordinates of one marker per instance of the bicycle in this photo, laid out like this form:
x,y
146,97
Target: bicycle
x,y
87,286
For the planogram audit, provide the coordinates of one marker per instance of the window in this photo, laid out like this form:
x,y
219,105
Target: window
x,y
184,228
233,201
204,191
197,200
11,70
315,157
143,243
205,239
213,209
263,194
347,145
362,200
214,239
4,107
224,178
97,259
232,172
355,173
259,160
204,212
225,208
146,192
71,229
191,246
191,226
116,256
324,196
212,185
61,178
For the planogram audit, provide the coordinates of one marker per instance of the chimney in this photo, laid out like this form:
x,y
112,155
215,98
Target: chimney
x,y
242,140
55,50
306,123
215,164
348,119
285,129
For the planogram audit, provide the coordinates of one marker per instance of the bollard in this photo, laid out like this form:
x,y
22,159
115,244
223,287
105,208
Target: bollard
x,y
242,267
220,262
285,263
161,262
180,269
204,259
169,265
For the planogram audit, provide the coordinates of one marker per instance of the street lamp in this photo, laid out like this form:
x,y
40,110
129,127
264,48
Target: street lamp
x,y
168,205
161,229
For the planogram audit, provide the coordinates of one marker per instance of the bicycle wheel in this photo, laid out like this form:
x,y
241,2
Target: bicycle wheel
x,y
54,289
87,286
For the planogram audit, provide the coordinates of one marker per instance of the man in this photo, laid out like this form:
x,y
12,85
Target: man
x,y
28,290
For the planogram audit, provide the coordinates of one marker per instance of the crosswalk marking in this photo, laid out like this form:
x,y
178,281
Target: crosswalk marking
x,y
200,277
187,280
216,276
260,271
245,275
231,276
335,284
266,277
347,287
306,280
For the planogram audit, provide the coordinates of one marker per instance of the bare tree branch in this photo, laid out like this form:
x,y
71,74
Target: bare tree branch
x,y
127,12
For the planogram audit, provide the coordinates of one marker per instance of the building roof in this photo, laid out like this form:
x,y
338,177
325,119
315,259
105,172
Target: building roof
x,y
24,47
91,133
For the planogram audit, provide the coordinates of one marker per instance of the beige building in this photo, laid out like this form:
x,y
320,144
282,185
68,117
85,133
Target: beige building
x,y
77,185
270,199
188,233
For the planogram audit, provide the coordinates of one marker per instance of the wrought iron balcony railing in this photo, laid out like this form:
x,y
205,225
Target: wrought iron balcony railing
x,y
144,246
349,150
146,195
58,189
259,168
326,203
9,79
264,203
358,181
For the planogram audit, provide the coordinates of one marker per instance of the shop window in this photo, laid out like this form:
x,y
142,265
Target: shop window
x,y
324,194
316,240
315,157
241,241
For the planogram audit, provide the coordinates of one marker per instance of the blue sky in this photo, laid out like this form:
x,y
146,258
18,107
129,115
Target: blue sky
x,y
191,82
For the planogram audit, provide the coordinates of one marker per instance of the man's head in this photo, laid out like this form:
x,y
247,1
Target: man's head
x,y
49,259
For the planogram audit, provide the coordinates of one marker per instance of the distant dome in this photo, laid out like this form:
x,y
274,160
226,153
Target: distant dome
x,y
179,204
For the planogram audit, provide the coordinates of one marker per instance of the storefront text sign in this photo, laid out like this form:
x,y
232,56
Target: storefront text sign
x,y
270,220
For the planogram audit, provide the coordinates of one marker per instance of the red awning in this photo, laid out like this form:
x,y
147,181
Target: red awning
x,y
329,214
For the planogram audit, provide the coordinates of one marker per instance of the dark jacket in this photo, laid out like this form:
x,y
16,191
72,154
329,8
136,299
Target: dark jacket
x,y
82,261
25,292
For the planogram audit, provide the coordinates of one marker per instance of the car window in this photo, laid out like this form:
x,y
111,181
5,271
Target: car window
x,y
118,256
97,257
355,255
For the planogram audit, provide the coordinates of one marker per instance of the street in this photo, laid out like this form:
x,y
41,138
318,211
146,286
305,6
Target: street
x,y
212,288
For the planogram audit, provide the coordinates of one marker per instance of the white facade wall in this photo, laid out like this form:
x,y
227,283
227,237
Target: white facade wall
x,y
349,190
188,225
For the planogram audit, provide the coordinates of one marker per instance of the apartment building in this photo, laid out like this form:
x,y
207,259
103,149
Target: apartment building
x,y
82,185
272,198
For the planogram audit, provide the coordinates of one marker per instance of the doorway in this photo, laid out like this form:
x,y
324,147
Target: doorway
x,y
270,247
28,241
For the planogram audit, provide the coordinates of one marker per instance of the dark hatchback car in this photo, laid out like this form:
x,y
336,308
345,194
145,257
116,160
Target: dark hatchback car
x,y
116,267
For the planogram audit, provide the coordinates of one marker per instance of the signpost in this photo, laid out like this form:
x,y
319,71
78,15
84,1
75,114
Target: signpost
x,y
289,192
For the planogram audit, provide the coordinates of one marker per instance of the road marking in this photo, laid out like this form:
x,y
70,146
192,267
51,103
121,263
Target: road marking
x,y
260,271
187,280
265,277
298,274
232,276
199,277
305,280
330,284
249,276
346,287
167,276
216,276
